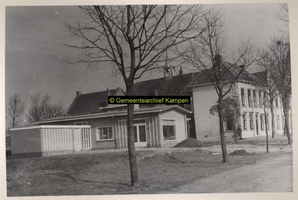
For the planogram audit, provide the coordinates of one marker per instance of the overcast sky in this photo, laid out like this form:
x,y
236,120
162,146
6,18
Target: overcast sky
x,y
34,61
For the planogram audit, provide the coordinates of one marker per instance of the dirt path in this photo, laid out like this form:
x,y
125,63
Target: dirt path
x,y
270,175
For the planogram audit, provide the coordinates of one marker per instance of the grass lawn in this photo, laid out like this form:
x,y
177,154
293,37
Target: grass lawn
x,y
108,173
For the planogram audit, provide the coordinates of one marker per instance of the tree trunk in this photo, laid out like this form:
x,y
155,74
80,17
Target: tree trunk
x,y
286,115
221,130
130,108
267,141
272,120
236,125
131,142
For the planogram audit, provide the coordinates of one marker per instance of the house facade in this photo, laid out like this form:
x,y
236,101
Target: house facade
x,y
157,126
248,91
162,126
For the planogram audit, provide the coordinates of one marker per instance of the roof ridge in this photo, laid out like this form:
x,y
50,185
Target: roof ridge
x,y
99,91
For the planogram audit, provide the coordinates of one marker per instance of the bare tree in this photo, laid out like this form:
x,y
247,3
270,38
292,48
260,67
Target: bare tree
x,y
133,39
231,112
266,103
271,91
41,108
276,59
206,55
15,110
54,110
285,15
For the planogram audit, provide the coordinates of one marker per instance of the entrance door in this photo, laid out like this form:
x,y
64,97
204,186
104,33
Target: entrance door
x,y
140,135
257,125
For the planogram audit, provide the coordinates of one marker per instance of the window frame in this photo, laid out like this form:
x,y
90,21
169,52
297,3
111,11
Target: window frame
x,y
261,96
251,121
255,98
267,122
97,135
242,96
249,95
244,121
262,120
175,131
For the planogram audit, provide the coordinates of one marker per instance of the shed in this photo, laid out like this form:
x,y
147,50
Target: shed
x,y
49,140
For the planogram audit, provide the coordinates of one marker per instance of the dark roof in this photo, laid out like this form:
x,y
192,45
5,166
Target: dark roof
x,y
169,86
229,71
91,102
262,76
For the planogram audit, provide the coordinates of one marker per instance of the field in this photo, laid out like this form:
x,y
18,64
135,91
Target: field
x,y
101,173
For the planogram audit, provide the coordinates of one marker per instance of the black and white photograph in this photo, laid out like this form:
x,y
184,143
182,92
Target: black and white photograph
x,y
148,99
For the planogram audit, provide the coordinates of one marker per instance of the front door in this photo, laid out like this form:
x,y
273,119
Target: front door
x,y
140,135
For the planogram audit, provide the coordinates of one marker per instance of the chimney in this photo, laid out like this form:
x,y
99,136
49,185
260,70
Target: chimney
x,y
218,60
167,72
79,93
107,101
155,92
181,71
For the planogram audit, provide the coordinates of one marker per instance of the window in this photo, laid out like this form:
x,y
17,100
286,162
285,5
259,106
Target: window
x,y
277,122
81,123
262,121
267,121
255,98
249,98
261,98
104,133
276,102
251,122
243,96
229,122
265,98
169,132
244,121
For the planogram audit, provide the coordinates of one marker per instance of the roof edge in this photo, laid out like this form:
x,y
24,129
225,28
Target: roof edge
x,y
113,114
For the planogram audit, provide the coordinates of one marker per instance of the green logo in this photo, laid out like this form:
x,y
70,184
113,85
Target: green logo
x,y
111,100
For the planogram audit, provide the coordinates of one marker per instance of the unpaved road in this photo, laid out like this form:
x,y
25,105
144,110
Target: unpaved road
x,y
270,175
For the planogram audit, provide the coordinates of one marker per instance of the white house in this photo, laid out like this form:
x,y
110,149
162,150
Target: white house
x,y
91,123
248,90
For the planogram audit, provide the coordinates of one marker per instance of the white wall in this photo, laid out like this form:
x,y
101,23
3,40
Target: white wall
x,y
256,110
206,124
180,126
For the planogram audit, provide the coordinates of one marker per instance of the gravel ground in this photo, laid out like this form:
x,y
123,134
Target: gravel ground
x,y
161,170
274,174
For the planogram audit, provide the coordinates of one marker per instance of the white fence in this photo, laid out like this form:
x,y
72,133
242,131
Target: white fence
x,y
57,139
86,138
